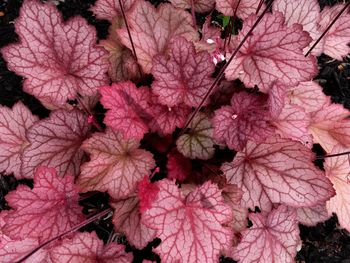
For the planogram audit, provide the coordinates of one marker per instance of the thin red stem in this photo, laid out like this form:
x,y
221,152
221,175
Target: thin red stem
x,y
327,29
259,6
130,38
222,71
332,155
75,228
193,14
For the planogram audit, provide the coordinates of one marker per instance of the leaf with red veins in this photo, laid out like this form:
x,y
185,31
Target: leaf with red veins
x,y
13,250
58,60
233,196
305,13
153,28
13,125
311,216
116,164
338,37
278,171
127,220
308,95
272,238
293,123
330,125
109,9
128,109
87,247
245,7
45,211
190,226
185,77
164,119
276,99
338,171
246,119
200,6
198,142
56,142
179,167
266,55
122,64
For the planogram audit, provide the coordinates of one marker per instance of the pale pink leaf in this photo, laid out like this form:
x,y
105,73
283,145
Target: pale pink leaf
x,y
179,167
266,55
190,227
311,216
116,164
278,171
293,123
337,38
87,247
246,119
45,211
338,171
153,28
57,59
330,126
128,108
13,125
56,142
198,142
164,119
245,7
308,95
200,6
305,13
127,220
185,77
233,196
109,9
272,238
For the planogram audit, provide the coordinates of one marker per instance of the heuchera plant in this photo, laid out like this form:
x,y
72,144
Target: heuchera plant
x,y
159,151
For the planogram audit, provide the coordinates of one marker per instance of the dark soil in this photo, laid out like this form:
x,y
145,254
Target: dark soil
x,y
325,243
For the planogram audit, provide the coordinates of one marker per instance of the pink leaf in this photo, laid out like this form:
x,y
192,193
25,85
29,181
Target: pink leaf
x,y
128,109
57,59
245,7
293,123
246,119
109,9
330,126
152,29
56,142
311,216
233,196
116,164
308,95
278,171
200,6
338,37
45,211
198,142
305,13
338,171
190,227
185,77
179,167
164,119
265,56
13,126
272,238
127,219
87,247
146,192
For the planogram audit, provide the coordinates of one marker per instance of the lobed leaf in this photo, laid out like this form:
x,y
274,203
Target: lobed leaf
x,y
115,166
109,9
200,6
13,126
245,7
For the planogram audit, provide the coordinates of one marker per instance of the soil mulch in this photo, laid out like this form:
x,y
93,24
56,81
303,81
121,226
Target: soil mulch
x,y
324,243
